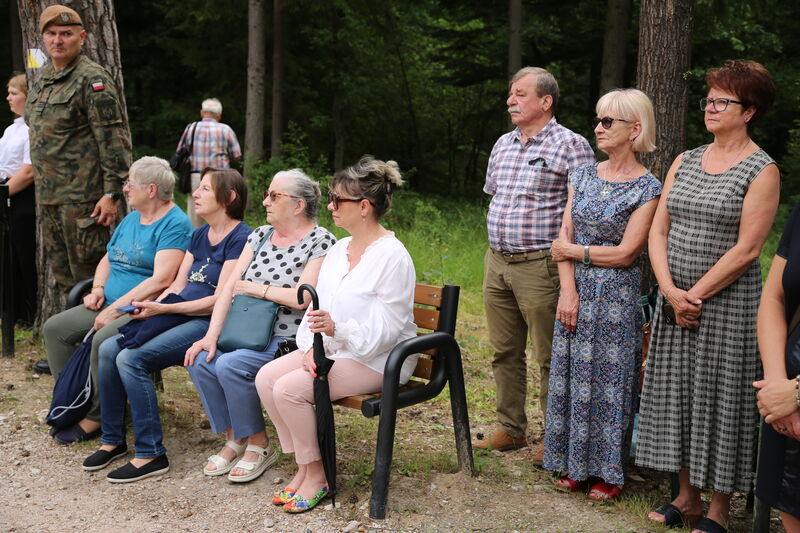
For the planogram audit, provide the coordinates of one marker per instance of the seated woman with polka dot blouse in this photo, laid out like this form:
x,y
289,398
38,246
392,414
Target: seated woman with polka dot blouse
x,y
291,256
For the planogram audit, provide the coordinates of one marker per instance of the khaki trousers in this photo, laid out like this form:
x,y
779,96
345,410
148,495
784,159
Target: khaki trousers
x,y
520,295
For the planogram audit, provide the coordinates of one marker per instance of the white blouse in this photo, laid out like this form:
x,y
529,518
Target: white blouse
x,y
372,305
14,148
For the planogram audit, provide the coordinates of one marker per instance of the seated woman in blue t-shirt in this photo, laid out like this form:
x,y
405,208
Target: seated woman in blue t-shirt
x,y
171,324
141,260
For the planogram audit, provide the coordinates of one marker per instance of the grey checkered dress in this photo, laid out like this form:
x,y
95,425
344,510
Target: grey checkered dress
x,y
698,407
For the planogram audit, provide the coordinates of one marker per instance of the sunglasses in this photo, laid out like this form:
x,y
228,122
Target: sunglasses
x,y
720,104
607,122
335,199
272,195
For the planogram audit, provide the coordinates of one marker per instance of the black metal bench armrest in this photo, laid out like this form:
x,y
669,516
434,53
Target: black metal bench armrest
x,y
391,395
76,293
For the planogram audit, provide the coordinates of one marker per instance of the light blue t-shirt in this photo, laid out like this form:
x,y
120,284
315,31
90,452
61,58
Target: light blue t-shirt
x,y
133,246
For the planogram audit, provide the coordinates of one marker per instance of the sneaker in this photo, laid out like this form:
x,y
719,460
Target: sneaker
x,y
102,458
501,441
129,473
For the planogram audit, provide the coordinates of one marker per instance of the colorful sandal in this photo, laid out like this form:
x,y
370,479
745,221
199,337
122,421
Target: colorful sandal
x,y
604,492
283,497
298,504
567,484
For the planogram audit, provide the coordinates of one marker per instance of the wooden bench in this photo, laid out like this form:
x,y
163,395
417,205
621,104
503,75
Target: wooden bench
x,y
439,364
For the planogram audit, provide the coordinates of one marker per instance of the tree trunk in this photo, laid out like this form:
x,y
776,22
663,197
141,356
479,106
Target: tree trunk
x,y
101,46
614,45
514,36
277,79
15,32
256,72
665,45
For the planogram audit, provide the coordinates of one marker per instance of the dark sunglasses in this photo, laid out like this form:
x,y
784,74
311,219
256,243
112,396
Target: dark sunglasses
x,y
720,104
607,122
335,199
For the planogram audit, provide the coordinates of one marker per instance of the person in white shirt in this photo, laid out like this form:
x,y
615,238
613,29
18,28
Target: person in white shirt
x,y
16,172
366,298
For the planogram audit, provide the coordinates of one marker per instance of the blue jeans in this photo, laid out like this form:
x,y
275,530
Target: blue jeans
x,y
125,375
227,388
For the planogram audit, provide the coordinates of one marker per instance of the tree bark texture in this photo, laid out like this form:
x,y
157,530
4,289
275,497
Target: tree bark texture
x,y
614,45
256,80
665,44
101,46
514,36
277,79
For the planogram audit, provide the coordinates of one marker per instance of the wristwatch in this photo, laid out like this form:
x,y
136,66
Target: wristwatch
x,y
586,259
113,195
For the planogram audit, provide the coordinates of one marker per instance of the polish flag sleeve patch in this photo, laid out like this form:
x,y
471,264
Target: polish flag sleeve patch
x,y
98,86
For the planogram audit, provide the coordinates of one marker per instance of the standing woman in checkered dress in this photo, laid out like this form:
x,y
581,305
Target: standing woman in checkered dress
x,y
698,411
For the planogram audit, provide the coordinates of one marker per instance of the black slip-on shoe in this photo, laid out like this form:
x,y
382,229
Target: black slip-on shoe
x,y
42,367
102,458
129,473
75,434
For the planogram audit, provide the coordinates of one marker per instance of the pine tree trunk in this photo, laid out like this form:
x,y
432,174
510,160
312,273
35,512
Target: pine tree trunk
x,y
101,46
514,36
277,80
256,73
613,68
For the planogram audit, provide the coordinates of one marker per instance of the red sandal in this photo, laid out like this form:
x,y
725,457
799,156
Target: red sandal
x,y
603,492
567,484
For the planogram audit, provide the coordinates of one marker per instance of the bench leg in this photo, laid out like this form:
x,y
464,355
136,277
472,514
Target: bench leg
x,y
458,404
383,459
760,517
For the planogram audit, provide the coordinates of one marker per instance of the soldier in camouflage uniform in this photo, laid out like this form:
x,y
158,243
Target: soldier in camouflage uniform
x,y
80,149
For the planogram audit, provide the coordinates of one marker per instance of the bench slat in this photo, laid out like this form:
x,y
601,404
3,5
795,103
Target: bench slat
x,y
426,318
428,295
354,402
424,368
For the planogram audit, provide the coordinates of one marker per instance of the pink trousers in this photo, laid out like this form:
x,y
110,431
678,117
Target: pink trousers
x,y
287,392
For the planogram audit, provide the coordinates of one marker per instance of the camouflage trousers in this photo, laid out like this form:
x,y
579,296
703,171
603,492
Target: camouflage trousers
x,y
74,244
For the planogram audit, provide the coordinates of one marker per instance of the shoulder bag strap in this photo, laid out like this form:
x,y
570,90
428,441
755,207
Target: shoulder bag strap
x,y
260,245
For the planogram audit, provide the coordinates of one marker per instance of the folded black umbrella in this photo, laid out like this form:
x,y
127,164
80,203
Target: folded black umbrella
x,y
326,430
137,332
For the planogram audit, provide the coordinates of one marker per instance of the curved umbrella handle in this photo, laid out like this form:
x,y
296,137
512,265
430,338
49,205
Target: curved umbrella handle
x,y
305,287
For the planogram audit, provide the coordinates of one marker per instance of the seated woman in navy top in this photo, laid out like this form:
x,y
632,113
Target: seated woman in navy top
x,y
181,315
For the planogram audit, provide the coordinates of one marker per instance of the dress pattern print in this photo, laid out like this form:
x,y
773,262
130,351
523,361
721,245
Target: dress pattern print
x,y
594,370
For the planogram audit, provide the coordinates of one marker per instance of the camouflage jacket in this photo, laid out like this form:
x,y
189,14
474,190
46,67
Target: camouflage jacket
x,y
80,141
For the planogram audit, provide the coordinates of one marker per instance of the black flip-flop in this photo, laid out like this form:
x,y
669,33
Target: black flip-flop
x,y
710,526
672,515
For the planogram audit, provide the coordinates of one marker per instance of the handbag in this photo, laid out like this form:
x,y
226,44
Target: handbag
x,y
181,163
73,388
250,320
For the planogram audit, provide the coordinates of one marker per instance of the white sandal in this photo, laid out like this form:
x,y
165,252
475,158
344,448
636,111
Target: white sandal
x,y
267,457
223,465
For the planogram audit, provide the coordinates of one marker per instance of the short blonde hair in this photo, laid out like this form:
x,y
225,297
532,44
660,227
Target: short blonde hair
x,y
634,106
18,82
150,169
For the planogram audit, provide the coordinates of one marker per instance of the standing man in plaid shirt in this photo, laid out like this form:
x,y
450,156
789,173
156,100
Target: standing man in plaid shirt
x,y
527,178
215,145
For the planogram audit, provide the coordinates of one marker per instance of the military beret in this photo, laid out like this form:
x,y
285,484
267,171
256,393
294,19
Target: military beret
x,y
59,15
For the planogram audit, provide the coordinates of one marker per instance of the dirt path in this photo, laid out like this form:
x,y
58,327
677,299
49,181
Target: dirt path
x,y
43,488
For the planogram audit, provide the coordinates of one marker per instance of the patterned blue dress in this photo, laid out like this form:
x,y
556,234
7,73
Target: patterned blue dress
x,y
594,372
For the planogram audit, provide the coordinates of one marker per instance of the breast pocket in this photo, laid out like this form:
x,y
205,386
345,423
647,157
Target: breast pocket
x,y
544,176
62,112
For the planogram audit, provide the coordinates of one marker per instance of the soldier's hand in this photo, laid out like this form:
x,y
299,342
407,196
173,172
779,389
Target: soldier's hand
x,y
105,210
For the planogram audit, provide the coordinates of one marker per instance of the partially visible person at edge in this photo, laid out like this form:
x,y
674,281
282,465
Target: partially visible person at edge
x,y
80,149
291,256
141,260
597,344
215,145
527,178
158,342
16,171
778,478
366,300
698,410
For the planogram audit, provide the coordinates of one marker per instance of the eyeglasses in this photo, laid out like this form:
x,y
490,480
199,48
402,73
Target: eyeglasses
x,y
130,184
272,195
335,199
607,122
720,104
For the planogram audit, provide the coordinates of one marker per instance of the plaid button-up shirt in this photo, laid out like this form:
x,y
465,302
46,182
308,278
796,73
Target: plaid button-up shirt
x,y
215,144
528,184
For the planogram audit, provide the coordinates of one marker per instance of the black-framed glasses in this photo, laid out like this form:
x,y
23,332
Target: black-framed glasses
x,y
720,104
335,199
607,122
275,195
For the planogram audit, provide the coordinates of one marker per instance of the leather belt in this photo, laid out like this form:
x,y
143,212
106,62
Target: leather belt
x,y
521,257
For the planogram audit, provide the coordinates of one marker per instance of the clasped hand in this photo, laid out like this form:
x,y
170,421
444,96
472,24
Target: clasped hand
x,y
777,403
687,306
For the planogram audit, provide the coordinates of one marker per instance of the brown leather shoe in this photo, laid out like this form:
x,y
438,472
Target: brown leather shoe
x,y
538,454
500,441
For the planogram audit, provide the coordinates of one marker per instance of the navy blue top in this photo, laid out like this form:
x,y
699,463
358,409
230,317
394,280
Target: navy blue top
x,y
208,259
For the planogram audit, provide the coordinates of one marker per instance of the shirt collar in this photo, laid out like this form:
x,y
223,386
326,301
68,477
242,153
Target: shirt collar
x,y
53,75
539,137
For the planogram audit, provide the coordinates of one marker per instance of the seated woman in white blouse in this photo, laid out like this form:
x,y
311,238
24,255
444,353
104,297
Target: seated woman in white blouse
x,y
366,297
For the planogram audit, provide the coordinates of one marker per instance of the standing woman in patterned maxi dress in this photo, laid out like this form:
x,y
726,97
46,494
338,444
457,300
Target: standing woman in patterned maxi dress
x,y
597,344
698,411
